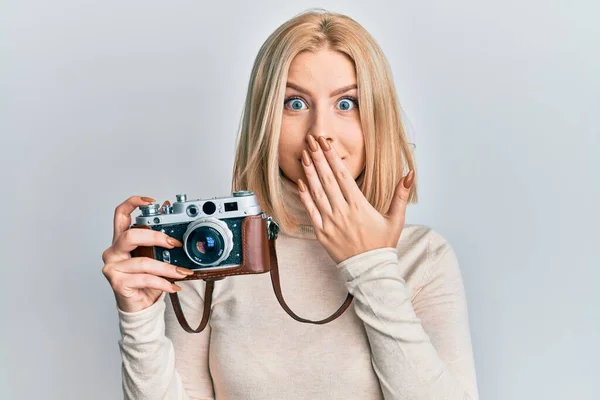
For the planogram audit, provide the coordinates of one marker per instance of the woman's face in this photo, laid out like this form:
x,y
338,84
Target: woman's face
x,y
321,100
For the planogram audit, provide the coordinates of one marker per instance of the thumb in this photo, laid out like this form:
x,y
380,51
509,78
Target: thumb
x,y
398,207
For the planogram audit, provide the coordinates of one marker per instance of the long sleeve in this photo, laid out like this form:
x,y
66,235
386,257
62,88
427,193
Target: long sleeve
x,y
161,362
420,346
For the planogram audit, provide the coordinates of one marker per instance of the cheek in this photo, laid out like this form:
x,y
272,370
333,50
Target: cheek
x,y
289,148
354,141
290,152
355,145
291,140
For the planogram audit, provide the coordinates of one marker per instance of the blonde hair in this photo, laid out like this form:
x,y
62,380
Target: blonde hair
x,y
388,152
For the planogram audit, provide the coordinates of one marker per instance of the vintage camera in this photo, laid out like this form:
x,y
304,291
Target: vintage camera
x,y
210,229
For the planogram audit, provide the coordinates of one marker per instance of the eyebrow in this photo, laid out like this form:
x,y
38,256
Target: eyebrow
x,y
334,93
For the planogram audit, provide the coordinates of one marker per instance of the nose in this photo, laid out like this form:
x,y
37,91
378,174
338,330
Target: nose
x,y
322,124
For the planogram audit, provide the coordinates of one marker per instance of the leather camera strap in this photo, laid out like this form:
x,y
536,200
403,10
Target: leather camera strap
x,y
210,284
277,288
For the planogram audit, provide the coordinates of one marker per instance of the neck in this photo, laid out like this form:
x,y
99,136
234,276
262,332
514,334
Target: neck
x,y
291,197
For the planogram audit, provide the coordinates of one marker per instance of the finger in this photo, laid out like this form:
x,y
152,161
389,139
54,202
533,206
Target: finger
x,y
326,176
136,237
309,204
147,265
315,189
125,283
400,201
122,218
346,183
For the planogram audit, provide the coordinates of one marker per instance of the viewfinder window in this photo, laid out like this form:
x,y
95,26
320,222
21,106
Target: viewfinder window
x,y
231,206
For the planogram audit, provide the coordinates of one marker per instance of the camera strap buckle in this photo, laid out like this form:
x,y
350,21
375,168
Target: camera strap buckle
x,y
272,227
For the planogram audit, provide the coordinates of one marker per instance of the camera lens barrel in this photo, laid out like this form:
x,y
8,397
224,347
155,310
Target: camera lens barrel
x,y
208,242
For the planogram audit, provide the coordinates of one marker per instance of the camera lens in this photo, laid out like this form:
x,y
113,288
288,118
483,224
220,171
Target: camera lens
x,y
205,245
209,208
208,241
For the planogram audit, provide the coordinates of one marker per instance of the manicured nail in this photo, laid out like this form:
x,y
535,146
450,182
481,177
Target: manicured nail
x,y
324,144
408,181
184,271
148,199
174,242
301,185
175,287
305,158
312,143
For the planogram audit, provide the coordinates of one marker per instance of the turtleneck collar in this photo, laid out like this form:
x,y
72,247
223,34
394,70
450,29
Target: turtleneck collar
x,y
291,197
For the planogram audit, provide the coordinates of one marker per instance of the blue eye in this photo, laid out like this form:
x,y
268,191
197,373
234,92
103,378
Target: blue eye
x,y
347,103
295,103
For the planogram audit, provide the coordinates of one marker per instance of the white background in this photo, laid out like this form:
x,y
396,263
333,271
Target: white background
x,y
100,100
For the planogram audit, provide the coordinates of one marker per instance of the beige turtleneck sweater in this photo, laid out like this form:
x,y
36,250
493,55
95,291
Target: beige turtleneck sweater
x,y
405,336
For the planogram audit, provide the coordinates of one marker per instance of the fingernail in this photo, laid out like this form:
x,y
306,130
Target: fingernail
x,y
312,143
174,242
305,158
324,144
184,271
408,181
148,199
301,185
175,287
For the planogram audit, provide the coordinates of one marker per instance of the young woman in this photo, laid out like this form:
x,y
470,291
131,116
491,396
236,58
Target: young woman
x,y
323,148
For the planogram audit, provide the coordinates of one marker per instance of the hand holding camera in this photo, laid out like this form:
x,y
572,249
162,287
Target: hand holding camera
x,y
138,282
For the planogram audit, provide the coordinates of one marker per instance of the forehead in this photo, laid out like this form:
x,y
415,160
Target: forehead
x,y
323,70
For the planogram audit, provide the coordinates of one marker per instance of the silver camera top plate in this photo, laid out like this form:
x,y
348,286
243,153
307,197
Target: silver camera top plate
x,y
241,204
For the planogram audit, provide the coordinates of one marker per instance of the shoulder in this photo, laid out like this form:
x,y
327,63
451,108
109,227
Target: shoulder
x,y
423,240
424,253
